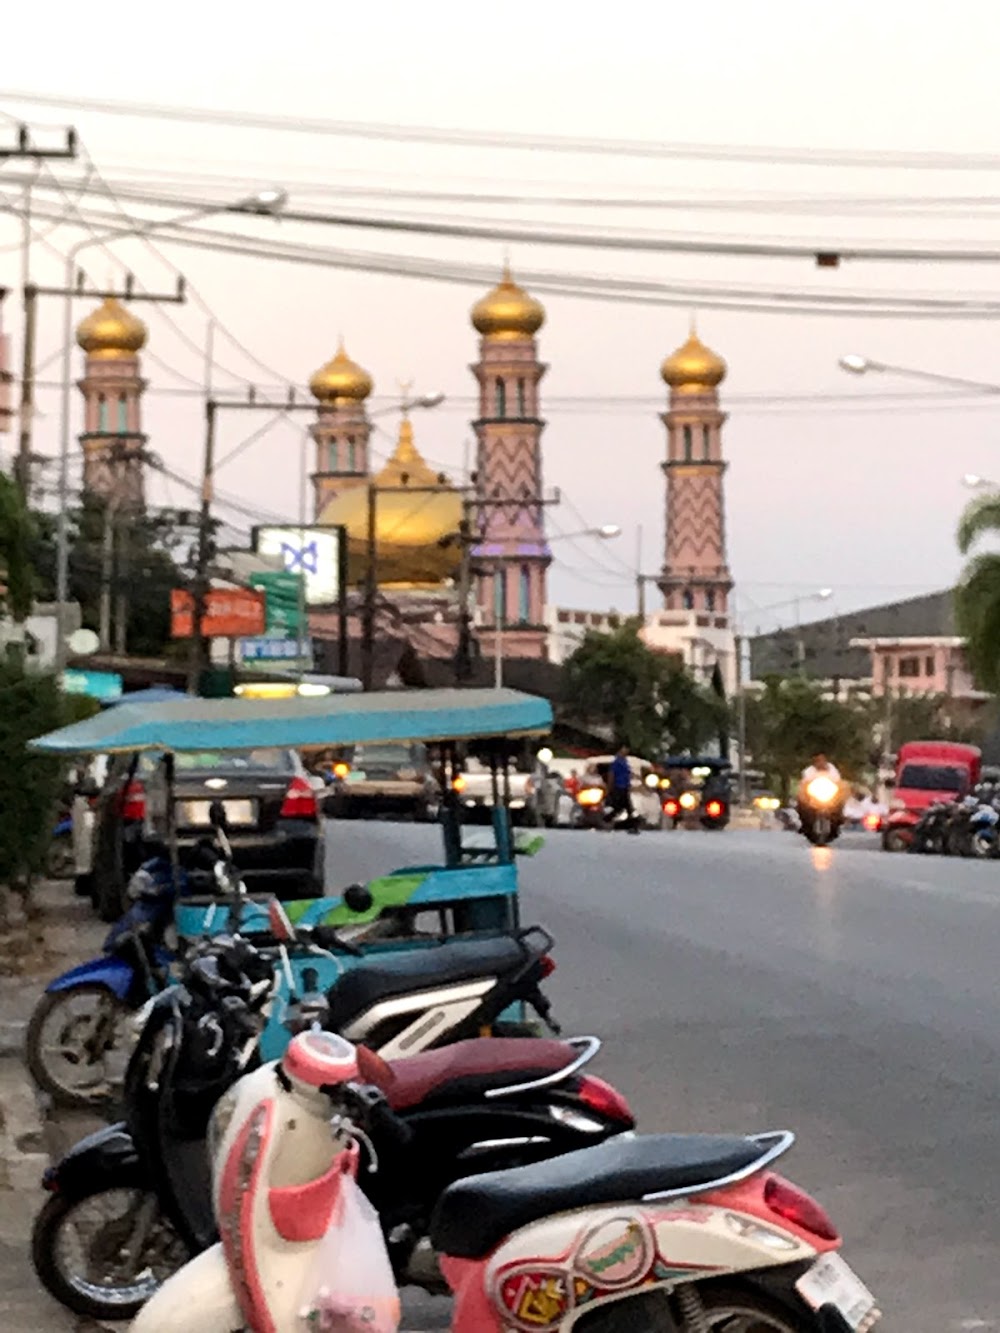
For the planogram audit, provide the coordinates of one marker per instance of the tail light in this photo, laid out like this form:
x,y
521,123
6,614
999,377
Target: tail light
x,y
713,809
670,808
546,966
132,804
300,801
872,822
458,783
605,1100
795,1206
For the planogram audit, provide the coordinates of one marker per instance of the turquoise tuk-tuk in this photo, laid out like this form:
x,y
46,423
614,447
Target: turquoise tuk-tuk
x,y
472,891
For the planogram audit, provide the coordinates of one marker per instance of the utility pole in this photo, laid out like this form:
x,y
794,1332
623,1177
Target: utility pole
x,y
23,148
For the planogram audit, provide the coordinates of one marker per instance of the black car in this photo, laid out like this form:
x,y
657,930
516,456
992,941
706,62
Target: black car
x,y
272,819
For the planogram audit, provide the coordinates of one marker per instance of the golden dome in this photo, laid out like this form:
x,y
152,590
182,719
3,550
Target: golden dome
x,y
111,331
508,313
693,368
409,527
341,381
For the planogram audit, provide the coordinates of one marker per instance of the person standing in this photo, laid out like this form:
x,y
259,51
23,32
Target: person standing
x,y
620,794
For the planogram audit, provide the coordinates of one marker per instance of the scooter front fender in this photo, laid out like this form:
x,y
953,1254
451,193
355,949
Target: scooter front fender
x,y
107,1156
198,1299
117,976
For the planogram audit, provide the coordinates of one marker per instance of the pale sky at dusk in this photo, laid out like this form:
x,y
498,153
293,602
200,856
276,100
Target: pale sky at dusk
x,y
859,492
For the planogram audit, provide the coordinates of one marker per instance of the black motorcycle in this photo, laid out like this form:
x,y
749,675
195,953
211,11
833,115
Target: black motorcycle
x,y
136,1196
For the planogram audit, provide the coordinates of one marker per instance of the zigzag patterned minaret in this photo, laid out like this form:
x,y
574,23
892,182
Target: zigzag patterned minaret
x,y
695,574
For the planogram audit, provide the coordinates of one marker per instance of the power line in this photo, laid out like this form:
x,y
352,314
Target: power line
x,y
512,140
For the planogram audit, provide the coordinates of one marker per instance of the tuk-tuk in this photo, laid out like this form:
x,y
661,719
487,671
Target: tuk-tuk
x,y
699,791
473,890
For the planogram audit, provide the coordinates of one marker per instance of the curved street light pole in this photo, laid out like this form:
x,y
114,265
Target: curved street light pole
x,y
855,364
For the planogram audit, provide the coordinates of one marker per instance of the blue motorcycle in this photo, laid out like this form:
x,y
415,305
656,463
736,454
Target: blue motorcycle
x,y
74,1045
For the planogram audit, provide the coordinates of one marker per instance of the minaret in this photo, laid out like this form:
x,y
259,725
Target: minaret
x,y
695,574
112,387
512,553
342,428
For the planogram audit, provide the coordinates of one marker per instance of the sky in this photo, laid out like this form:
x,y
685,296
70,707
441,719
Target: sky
x,y
855,487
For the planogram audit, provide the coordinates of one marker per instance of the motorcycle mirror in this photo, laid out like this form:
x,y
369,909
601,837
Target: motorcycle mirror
x,y
358,898
374,1070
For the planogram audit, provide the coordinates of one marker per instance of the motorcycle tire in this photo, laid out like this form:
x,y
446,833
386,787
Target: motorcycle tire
x,y
724,1307
34,1054
895,840
74,1291
59,860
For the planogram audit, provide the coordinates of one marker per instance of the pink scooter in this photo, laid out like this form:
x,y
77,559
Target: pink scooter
x,y
658,1234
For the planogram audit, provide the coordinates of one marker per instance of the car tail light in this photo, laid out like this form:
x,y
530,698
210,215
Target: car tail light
x,y
670,808
795,1206
133,801
300,800
546,965
713,809
605,1100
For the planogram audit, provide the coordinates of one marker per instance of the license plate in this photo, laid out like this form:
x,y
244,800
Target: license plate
x,y
830,1282
238,813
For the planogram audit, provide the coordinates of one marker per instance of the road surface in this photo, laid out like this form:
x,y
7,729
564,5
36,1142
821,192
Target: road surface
x,y
745,981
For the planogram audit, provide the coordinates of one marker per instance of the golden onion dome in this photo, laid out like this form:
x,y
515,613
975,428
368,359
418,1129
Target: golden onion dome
x,y
508,312
693,368
410,528
341,381
111,331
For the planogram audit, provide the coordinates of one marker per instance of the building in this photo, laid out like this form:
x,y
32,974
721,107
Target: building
x,y
341,430
112,387
512,556
695,580
566,629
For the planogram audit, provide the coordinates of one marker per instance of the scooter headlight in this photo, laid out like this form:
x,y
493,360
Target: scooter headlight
x,y
822,790
688,800
590,796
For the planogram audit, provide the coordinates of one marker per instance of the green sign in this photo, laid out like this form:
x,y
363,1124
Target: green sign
x,y
103,685
282,603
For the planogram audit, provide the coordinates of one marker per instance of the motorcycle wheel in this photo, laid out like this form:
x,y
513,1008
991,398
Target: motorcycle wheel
x,y
71,1043
725,1310
984,845
85,1260
59,860
895,840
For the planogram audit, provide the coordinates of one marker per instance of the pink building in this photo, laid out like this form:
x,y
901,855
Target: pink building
x,y
341,430
920,664
112,387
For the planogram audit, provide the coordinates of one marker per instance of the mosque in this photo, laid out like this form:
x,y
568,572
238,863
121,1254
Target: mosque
x,y
425,524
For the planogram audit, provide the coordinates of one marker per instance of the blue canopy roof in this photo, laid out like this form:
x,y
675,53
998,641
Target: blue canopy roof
x,y
243,724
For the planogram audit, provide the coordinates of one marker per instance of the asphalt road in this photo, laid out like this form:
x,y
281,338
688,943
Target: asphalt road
x,y
744,981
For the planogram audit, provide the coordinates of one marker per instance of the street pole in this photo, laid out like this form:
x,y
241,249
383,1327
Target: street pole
x,y
303,469
741,718
343,655
107,557
200,587
463,656
499,619
371,592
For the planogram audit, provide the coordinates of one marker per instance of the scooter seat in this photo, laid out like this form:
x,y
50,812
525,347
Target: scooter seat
x,y
467,1069
421,969
474,1215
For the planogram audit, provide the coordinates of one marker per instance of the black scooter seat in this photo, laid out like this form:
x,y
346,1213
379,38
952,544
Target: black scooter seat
x,y
474,1215
421,969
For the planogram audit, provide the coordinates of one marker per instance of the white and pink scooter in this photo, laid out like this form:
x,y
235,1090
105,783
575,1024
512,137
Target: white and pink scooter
x,y
657,1234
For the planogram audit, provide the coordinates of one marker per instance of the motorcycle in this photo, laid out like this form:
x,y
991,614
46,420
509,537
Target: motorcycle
x,y
821,809
474,1106
593,809
59,859
681,1233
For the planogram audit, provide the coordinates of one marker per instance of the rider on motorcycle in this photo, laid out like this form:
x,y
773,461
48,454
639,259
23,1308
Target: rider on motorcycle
x,y
821,796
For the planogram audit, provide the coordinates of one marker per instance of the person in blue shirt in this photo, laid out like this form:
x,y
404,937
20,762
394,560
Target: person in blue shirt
x,y
620,784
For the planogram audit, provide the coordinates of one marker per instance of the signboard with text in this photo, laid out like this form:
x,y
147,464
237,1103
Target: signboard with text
x,y
311,551
270,652
282,602
230,613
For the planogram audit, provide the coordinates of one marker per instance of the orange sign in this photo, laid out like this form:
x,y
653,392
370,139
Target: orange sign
x,y
230,613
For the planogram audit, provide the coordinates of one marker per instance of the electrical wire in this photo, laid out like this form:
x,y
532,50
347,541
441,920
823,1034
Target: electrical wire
x,y
512,140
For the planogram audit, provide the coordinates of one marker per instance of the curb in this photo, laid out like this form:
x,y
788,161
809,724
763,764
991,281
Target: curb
x,y
23,1158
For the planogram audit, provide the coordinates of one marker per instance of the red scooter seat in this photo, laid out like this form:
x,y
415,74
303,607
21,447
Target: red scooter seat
x,y
470,1068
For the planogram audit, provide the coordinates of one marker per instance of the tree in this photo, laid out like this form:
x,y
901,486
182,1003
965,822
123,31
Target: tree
x,y
644,698
16,542
792,720
977,597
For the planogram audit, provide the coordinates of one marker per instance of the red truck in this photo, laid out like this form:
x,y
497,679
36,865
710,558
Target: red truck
x,y
926,772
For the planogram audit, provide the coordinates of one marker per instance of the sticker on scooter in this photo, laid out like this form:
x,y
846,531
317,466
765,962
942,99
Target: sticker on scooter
x,y
616,1254
534,1299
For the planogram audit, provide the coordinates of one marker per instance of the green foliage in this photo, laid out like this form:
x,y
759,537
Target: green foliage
x,y
29,783
791,721
16,542
977,597
644,698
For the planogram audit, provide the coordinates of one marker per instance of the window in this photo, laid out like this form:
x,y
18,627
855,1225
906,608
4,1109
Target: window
x,y
351,455
521,410
524,596
931,777
909,667
499,598
102,412
710,600
688,444
122,415
928,666
331,457
501,398
687,600
706,445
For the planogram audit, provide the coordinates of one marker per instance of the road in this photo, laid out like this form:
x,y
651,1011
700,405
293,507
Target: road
x,y
744,981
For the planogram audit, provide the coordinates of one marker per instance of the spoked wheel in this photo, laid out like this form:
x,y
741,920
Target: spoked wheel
x,y
723,1310
104,1256
75,1044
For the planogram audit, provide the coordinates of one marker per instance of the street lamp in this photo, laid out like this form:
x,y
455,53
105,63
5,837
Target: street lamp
x,y
856,364
977,483
267,202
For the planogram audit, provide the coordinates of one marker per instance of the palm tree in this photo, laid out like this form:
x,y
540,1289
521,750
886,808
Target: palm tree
x,y
977,597
16,531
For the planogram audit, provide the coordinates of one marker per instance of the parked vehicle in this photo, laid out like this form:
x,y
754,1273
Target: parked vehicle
x,y
697,790
474,1106
966,827
592,812
926,772
383,779
593,1233
270,805
518,788
59,859
88,781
